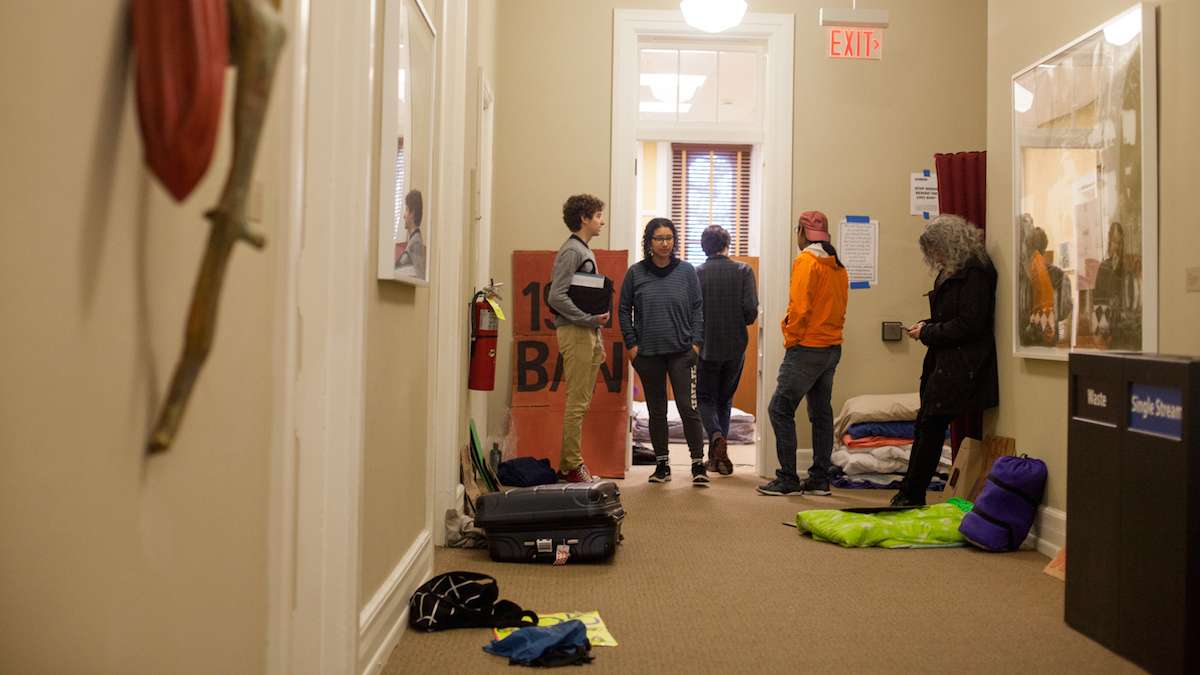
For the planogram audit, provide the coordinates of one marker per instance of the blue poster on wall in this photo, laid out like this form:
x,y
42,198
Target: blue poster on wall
x,y
1156,410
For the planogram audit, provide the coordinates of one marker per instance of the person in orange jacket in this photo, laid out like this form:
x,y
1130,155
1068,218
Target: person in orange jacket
x,y
812,335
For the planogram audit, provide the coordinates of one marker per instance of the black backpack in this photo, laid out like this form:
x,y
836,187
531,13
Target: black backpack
x,y
464,600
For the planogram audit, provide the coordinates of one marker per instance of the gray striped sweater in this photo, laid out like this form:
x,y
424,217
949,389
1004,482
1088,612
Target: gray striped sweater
x,y
661,315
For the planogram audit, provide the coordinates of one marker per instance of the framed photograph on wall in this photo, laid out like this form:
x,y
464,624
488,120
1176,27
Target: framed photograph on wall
x,y
406,224
1085,193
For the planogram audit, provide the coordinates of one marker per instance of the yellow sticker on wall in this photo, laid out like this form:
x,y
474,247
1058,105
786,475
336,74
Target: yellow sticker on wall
x,y
496,308
597,632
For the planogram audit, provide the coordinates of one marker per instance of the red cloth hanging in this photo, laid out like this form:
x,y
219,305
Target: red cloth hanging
x,y
962,191
182,50
962,185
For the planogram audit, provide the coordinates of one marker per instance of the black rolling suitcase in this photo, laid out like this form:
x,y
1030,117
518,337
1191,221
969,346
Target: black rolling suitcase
x,y
565,522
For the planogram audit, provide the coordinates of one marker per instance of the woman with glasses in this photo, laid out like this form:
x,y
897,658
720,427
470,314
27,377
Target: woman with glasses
x,y
662,321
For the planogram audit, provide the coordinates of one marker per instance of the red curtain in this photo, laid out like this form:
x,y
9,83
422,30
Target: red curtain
x,y
962,191
962,185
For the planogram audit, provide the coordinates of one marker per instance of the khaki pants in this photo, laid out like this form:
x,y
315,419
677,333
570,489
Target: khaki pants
x,y
582,353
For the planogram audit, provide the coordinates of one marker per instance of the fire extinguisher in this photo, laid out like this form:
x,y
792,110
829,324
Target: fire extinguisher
x,y
485,326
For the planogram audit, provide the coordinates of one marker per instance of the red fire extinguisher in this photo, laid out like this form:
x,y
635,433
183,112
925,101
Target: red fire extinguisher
x,y
484,331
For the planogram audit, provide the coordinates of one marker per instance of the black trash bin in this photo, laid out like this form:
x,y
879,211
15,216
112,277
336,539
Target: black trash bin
x,y
1133,506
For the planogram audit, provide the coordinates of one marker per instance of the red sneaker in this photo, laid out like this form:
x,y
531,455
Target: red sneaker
x,y
579,474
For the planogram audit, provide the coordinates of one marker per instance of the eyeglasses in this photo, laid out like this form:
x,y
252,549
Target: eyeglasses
x,y
663,240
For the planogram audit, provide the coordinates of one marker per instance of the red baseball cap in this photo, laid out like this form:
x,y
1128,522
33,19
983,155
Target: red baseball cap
x,y
816,225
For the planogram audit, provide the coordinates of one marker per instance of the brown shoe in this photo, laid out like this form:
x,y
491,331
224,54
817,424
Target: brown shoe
x,y
720,452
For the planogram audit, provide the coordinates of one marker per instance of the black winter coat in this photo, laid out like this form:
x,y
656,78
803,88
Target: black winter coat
x,y
959,374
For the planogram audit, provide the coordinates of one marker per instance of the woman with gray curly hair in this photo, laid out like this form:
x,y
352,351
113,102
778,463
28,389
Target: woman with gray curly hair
x,y
959,375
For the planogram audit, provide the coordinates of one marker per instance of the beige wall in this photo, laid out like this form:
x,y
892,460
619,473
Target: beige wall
x,y
397,352
112,562
396,397
1033,393
860,128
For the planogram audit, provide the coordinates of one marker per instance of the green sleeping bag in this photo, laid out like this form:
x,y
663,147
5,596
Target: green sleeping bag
x,y
933,526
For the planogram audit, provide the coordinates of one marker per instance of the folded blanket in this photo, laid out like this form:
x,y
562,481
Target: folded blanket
x,y
884,459
905,429
874,441
876,408
887,459
929,527
741,424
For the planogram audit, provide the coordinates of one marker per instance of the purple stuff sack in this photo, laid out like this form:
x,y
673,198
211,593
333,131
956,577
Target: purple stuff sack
x,y
1006,507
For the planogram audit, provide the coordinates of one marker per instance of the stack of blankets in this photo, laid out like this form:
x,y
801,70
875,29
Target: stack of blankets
x,y
874,436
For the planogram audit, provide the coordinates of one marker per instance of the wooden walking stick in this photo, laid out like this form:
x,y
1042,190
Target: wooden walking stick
x,y
256,39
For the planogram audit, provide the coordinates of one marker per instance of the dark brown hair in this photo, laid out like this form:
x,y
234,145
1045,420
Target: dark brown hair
x,y
714,239
653,225
578,207
415,205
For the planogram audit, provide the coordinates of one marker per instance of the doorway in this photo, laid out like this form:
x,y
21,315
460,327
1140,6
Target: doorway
x,y
697,184
678,61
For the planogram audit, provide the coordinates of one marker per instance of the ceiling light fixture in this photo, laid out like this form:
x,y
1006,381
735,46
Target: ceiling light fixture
x,y
1022,98
1124,28
713,16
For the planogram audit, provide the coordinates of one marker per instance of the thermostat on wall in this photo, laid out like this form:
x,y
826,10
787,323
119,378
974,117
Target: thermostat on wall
x,y
893,331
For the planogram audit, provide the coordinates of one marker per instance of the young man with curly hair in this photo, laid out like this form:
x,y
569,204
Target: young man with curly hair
x,y
578,332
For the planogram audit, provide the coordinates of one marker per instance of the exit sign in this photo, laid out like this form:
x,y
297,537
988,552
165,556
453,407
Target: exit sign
x,y
855,43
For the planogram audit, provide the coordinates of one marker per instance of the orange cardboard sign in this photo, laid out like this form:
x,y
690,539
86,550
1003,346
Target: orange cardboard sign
x,y
531,280
538,374
538,388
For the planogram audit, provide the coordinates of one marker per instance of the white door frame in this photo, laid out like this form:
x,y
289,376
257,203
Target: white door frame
x,y
776,243
447,293
325,82
482,263
287,135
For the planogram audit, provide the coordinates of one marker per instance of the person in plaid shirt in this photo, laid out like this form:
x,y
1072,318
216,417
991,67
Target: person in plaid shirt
x,y
730,305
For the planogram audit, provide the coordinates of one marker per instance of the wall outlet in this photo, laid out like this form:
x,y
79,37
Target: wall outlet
x,y
1193,280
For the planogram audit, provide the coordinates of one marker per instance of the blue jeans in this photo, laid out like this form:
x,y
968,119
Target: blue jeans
x,y
806,373
716,383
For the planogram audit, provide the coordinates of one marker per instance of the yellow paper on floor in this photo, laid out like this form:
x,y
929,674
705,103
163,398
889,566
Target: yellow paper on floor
x,y
597,632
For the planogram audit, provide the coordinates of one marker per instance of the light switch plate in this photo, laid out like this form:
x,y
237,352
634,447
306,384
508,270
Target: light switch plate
x,y
1193,280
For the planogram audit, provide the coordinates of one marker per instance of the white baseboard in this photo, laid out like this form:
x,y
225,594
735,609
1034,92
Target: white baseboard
x,y
1049,533
382,621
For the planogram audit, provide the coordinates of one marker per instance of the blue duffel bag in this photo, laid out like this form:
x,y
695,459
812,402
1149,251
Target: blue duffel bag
x,y
1008,504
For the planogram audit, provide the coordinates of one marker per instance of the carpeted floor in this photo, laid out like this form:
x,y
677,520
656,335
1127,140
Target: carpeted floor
x,y
710,580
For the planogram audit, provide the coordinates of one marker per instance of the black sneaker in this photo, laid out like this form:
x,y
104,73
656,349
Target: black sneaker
x,y
813,486
662,473
905,501
779,488
699,475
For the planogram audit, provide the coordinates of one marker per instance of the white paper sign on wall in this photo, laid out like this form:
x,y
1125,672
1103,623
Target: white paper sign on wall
x,y
923,195
858,248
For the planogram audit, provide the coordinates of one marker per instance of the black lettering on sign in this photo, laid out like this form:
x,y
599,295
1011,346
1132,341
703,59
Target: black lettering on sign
x,y
532,374
539,295
546,300
616,373
558,373
535,308
534,364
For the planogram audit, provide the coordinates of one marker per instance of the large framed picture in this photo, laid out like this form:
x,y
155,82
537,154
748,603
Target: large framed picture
x,y
408,82
1085,193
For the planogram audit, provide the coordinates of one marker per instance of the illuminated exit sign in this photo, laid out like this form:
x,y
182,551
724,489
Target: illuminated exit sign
x,y
855,43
